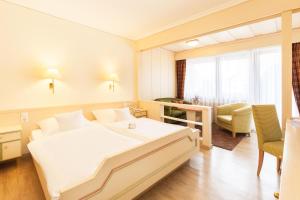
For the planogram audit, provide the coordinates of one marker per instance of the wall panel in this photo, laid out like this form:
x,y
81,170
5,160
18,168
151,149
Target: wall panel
x,y
156,74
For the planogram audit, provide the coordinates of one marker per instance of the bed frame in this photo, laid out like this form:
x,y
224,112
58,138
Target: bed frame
x,y
126,175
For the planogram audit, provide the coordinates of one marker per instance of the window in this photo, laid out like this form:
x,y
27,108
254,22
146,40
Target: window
x,y
201,72
269,78
234,76
252,76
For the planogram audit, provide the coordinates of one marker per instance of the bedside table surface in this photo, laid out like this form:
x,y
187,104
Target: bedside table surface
x,y
9,129
138,109
139,112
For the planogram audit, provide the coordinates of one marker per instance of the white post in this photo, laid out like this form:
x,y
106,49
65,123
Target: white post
x,y
191,111
206,128
286,46
162,113
191,116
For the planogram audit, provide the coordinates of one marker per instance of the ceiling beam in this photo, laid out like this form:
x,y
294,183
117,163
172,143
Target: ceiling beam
x,y
237,45
244,13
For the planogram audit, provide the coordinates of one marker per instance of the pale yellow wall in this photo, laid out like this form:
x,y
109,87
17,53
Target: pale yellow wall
x,y
31,41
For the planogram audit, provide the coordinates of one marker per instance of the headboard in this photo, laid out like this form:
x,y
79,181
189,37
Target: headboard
x,y
13,117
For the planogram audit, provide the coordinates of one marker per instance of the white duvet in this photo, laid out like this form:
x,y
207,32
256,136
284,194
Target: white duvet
x,y
146,129
68,158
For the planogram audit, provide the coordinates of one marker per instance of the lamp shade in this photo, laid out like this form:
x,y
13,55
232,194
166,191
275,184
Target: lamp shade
x,y
113,77
53,73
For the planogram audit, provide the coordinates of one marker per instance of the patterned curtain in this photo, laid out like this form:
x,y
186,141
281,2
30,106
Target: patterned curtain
x,y
180,75
296,73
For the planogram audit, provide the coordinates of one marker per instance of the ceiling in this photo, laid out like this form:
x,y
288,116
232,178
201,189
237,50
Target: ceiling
x,y
242,32
133,19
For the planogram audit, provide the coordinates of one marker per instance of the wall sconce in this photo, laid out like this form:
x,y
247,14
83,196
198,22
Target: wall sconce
x,y
52,74
113,78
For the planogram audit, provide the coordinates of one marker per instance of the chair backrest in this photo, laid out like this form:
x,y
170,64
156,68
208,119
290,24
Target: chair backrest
x,y
235,106
266,124
227,109
172,99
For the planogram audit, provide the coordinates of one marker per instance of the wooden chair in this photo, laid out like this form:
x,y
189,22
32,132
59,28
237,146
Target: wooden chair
x,y
269,133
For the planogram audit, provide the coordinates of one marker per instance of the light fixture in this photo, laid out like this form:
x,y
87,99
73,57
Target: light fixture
x,y
113,78
192,43
52,73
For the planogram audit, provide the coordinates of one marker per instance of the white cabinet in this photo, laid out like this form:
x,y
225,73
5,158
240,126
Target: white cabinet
x,y
11,150
156,74
10,143
290,175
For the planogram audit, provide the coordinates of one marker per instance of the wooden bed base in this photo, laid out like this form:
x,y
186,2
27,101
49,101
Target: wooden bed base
x,y
126,175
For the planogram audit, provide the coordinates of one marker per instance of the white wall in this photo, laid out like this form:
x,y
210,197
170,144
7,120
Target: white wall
x,y
156,74
31,41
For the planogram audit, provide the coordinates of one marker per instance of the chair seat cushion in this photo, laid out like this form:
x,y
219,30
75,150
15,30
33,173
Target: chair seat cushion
x,y
225,118
177,113
274,148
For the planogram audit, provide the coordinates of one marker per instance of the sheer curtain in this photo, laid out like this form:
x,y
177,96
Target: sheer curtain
x,y
252,76
201,80
269,77
234,77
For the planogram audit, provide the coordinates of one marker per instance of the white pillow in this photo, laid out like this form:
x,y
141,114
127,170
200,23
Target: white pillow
x,y
123,114
49,125
70,120
105,115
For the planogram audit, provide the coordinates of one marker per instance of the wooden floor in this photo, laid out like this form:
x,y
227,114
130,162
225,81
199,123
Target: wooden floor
x,y
211,175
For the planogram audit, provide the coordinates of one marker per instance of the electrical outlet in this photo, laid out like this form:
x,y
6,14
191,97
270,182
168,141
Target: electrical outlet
x,y
24,117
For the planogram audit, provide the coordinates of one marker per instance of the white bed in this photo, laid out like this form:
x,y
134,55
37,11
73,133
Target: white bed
x,y
36,134
147,129
94,162
72,156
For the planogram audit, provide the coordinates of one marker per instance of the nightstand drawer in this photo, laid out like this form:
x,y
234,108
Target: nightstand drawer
x,y
10,136
11,150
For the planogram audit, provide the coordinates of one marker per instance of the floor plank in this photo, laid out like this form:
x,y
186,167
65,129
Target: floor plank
x,y
221,175
19,180
210,175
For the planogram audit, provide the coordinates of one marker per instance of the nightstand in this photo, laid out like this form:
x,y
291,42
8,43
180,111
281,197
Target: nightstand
x,y
10,142
138,112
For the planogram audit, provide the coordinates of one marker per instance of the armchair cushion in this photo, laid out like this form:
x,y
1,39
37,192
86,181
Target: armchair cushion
x,y
173,111
177,113
225,118
274,148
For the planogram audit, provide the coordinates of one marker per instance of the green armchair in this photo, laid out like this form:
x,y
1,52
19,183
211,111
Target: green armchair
x,y
173,111
235,118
